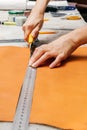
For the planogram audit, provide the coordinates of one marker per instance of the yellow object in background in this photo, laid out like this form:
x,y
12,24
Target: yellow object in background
x,y
73,17
46,19
47,32
9,23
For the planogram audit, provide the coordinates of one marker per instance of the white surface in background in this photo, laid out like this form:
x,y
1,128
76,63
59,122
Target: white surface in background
x,y
11,32
13,4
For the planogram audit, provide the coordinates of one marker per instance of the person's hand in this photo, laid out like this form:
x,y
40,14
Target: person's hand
x,y
60,49
33,24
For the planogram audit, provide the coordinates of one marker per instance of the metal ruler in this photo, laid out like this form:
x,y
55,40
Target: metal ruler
x,y
22,115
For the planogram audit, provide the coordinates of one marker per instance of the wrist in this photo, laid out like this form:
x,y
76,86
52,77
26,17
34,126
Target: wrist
x,y
41,5
79,36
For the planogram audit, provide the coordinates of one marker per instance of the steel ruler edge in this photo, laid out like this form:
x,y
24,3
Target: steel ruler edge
x,y
22,116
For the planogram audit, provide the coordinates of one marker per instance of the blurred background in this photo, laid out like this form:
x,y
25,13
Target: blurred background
x,y
81,6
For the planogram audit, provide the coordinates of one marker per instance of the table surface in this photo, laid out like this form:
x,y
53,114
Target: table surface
x,y
58,24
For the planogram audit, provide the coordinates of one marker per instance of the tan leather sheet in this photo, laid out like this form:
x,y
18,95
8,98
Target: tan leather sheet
x,y
13,62
60,95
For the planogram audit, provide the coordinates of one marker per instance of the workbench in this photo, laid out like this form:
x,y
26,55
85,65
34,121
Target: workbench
x,y
58,24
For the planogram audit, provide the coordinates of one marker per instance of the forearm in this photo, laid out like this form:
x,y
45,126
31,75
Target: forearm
x,y
41,5
79,36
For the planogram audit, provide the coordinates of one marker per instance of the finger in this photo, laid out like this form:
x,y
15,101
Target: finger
x,y
57,61
36,30
26,35
36,55
35,33
27,30
42,59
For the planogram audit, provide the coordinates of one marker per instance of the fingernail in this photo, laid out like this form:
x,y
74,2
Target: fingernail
x,y
51,67
30,63
34,65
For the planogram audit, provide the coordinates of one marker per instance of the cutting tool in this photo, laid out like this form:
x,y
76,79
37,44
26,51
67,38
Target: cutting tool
x,y
30,39
33,43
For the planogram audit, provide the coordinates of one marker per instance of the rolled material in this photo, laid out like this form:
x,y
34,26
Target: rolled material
x,y
13,4
30,4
